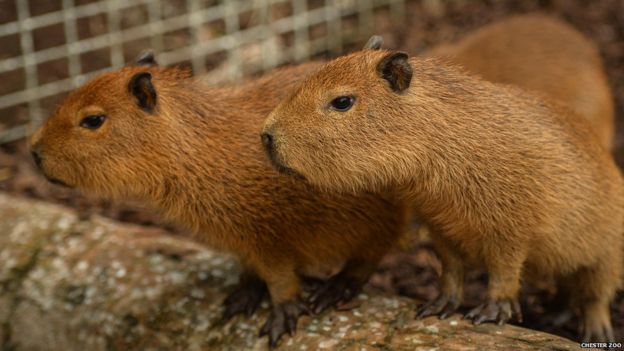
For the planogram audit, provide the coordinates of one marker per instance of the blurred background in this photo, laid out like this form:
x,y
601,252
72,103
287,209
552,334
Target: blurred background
x,y
48,48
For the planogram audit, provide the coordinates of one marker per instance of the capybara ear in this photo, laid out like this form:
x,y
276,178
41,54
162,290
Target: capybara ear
x,y
374,43
146,58
395,68
141,87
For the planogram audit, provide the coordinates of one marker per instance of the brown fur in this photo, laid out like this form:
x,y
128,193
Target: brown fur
x,y
505,179
198,159
545,55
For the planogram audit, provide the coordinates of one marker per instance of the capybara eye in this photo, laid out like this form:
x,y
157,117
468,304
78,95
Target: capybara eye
x,y
342,103
93,122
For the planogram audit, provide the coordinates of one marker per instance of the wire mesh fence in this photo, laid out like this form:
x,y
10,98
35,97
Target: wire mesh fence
x,y
50,47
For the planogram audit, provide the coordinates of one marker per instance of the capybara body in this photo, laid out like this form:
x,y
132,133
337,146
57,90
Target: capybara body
x,y
193,152
505,179
544,55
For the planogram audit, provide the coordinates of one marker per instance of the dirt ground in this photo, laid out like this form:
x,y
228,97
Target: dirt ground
x,y
412,272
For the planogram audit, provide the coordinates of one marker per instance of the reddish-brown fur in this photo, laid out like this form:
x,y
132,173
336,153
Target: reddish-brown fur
x,y
505,179
197,158
545,55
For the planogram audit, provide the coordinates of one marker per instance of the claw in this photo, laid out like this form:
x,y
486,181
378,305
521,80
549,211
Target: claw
x,y
450,308
283,320
444,305
245,298
499,311
338,290
597,323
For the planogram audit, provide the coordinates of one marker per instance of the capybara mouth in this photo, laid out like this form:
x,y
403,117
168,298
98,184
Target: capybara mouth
x,y
268,143
288,171
281,168
57,181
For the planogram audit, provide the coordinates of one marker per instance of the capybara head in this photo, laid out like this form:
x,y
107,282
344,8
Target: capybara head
x,y
105,136
337,127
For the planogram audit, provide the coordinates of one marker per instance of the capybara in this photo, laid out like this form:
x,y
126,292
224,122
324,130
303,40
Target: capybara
x,y
542,54
192,152
504,178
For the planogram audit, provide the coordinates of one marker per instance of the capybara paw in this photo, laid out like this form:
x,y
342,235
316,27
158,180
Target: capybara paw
x,y
246,298
598,332
499,311
336,291
282,320
444,305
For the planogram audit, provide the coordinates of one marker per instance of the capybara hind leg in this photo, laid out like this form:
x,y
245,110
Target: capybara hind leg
x,y
597,322
504,270
593,291
452,283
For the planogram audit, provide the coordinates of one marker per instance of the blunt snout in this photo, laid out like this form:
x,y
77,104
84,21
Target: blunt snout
x,y
268,142
35,152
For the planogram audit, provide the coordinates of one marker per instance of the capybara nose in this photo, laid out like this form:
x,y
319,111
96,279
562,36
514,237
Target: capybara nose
x,y
37,158
267,141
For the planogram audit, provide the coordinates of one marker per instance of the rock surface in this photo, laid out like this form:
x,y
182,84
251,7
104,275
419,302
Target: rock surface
x,y
73,284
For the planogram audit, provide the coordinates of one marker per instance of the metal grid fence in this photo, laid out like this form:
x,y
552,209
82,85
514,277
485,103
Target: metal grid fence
x,y
77,39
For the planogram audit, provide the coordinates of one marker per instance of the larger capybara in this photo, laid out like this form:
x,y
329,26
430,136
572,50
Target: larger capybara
x,y
505,179
542,54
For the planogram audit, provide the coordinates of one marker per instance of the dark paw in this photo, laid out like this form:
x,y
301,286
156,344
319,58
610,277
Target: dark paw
x,y
336,291
283,320
443,305
499,311
246,298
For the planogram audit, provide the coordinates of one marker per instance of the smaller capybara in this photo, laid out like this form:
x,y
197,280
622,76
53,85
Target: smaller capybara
x,y
541,54
192,152
505,179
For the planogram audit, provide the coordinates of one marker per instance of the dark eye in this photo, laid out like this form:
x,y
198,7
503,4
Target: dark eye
x,y
92,122
342,103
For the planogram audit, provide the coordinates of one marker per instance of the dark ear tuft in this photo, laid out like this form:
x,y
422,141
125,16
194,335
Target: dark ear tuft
x,y
374,43
395,68
141,87
146,58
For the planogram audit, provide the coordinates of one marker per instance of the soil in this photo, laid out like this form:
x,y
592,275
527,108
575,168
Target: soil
x,y
413,271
